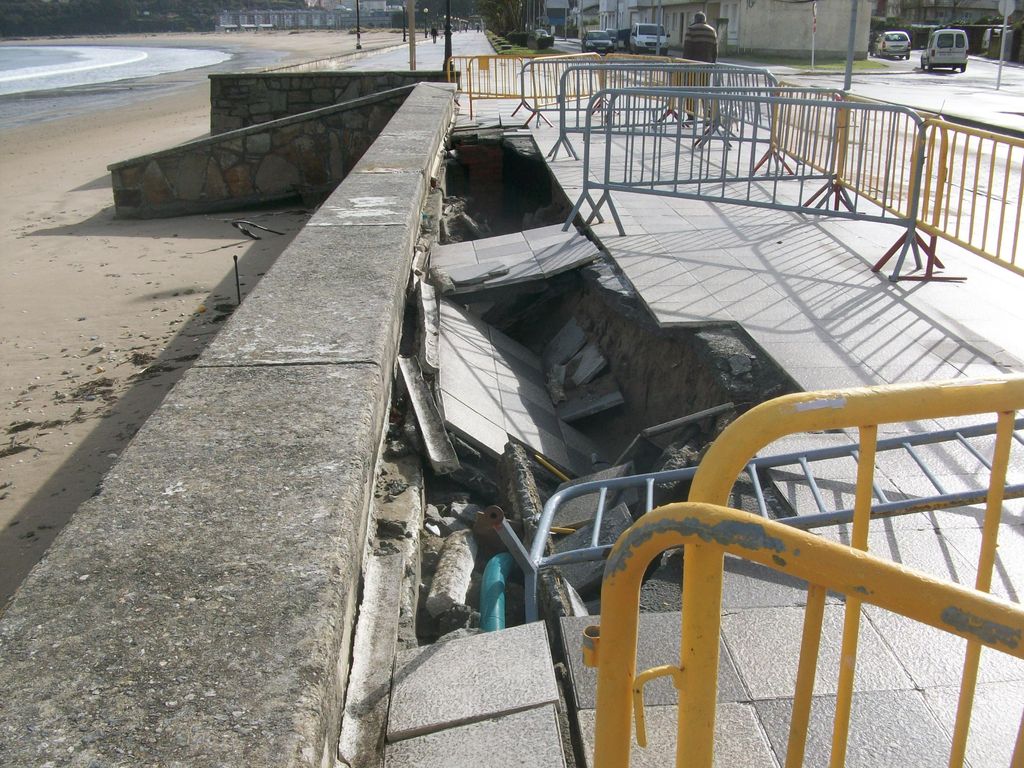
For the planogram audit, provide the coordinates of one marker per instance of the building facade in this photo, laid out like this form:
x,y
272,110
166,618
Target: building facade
x,y
753,26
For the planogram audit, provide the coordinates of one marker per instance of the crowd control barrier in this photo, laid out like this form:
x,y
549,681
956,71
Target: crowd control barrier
x,y
580,81
973,194
817,155
487,77
707,530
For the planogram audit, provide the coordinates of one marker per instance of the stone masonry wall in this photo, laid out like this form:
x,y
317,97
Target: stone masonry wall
x,y
198,611
240,100
303,156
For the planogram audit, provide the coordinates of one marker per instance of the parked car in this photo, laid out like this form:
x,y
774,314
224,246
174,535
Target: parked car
x,y
597,41
946,48
644,38
893,45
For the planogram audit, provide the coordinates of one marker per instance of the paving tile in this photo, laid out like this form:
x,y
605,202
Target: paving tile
x,y
466,276
739,741
765,644
527,419
557,257
891,728
935,658
507,346
751,585
540,236
500,738
482,676
567,342
658,644
995,718
453,254
473,427
1007,579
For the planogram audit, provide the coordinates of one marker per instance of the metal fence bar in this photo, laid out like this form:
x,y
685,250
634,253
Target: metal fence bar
x,y
884,508
707,532
973,193
579,82
725,168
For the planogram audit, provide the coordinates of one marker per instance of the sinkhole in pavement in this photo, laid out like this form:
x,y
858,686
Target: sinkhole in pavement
x,y
541,365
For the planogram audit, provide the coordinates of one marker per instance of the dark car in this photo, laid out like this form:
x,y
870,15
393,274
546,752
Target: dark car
x,y
598,41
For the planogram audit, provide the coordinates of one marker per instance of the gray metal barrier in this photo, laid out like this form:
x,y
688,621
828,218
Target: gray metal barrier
x,y
580,81
533,561
815,155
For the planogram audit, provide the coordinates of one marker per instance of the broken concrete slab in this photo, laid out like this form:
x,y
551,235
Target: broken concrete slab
x,y
439,448
585,577
473,274
525,256
587,364
401,513
481,676
373,654
491,392
454,573
529,738
566,343
584,404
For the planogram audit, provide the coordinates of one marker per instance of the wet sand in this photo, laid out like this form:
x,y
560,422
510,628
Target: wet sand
x,y
100,317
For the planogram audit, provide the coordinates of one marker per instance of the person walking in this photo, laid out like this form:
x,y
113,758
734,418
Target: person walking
x,y
433,33
701,40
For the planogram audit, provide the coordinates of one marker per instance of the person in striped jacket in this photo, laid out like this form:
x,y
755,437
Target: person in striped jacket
x,y
701,40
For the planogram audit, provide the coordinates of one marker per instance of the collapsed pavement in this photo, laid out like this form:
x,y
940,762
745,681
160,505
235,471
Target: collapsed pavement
x,y
527,364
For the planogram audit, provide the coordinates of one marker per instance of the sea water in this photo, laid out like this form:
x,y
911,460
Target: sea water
x,y
48,67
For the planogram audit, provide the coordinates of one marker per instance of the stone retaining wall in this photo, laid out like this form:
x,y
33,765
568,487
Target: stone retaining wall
x,y
305,156
198,611
240,100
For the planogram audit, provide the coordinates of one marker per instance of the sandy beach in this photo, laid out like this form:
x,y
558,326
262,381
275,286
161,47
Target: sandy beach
x,y
100,316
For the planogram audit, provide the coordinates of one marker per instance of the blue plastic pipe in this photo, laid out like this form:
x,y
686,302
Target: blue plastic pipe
x,y
492,592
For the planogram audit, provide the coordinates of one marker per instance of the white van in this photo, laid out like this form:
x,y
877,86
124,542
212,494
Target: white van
x,y
644,38
946,48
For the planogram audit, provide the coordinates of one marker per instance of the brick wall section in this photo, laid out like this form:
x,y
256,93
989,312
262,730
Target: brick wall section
x,y
240,100
305,156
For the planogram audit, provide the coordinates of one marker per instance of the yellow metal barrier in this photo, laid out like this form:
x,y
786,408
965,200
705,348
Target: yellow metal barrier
x,y
823,565
709,531
488,77
974,191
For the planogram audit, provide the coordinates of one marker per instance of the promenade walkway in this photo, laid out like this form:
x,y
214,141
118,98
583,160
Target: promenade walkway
x,y
803,289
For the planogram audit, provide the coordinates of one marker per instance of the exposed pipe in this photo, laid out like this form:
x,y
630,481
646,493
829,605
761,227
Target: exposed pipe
x,y
492,592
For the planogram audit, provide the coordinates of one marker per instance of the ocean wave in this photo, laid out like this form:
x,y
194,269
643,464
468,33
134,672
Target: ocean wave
x,y
42,68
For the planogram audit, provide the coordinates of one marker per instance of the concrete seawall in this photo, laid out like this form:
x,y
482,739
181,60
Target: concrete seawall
x,y
198,611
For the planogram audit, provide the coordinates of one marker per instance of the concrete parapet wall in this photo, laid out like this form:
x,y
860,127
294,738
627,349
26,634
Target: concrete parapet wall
x,y
307,155
240,100
198,611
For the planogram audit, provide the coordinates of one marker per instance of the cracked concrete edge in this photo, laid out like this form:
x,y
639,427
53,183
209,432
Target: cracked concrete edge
x,y
199,610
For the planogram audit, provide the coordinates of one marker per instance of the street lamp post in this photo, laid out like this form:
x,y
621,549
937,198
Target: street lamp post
x,y
447,34
359,43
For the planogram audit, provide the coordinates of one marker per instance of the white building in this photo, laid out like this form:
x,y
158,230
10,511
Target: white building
x,y
768,26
